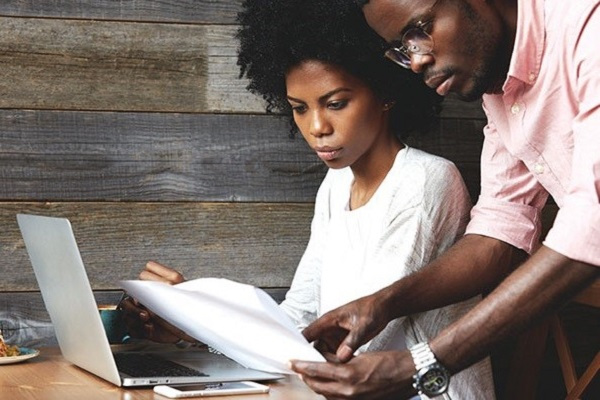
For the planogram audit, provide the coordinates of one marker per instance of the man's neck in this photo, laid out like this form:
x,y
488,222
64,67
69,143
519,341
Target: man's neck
x,y
508,13
507,9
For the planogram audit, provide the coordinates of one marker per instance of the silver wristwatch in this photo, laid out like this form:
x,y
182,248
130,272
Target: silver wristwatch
x,y
432,378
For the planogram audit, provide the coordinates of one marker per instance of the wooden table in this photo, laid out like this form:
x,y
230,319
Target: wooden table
x,y
50,377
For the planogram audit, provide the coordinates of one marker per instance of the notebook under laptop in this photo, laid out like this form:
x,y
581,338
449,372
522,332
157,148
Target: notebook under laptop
x,y
70,302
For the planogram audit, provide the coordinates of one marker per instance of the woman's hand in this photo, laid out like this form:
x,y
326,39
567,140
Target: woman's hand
x,y
161,273
141,322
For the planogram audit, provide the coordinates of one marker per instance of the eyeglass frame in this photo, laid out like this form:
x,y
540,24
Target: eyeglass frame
x,y
396,54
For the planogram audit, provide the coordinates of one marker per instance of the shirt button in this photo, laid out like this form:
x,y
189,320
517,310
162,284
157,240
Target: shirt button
x,y
515,109
532,77
538,168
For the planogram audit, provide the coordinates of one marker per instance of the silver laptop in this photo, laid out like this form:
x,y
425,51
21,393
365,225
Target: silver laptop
x,y
70,302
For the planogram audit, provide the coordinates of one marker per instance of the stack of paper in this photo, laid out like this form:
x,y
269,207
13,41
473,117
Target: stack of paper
x,y
241,321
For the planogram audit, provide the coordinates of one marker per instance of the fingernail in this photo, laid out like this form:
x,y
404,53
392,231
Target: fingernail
x,y
345,352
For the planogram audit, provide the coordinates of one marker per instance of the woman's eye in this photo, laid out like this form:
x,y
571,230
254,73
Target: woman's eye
x,y
299,109
337,105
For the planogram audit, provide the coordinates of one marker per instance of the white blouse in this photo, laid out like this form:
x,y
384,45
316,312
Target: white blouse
x,y
419,210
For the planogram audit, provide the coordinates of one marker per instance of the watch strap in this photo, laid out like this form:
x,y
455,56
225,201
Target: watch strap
x,y
422,355
427,367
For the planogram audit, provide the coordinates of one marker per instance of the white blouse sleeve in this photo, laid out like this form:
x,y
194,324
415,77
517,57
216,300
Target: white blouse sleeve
x,y
301,302
421,229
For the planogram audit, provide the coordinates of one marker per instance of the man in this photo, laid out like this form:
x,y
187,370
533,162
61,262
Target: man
x,y
537,65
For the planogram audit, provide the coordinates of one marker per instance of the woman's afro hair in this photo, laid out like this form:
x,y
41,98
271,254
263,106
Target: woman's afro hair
x,y
277,35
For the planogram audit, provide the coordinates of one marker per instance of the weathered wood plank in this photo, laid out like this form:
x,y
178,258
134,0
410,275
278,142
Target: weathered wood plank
x,y
25,321
191,11
102,65
55,156
49,155
125,66
255,243
454,108
459,140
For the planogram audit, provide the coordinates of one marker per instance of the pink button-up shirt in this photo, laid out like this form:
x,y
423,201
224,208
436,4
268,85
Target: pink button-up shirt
x,y
543,133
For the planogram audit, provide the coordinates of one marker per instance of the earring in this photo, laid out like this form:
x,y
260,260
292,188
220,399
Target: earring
x,y
388,105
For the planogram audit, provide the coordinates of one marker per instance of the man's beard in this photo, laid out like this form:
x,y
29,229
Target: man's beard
x,y
480,82
489,76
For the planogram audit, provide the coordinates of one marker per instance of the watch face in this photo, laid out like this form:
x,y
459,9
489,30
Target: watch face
x,y
434,382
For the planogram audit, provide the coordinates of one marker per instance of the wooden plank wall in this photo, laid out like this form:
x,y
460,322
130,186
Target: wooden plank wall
x,y
128,118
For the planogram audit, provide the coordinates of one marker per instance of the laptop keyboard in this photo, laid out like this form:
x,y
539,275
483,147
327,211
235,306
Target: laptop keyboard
x,y
146,365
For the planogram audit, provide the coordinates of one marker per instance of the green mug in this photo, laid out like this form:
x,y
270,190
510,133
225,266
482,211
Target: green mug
x,y
114,324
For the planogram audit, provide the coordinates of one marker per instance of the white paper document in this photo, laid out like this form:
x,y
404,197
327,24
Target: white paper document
x,y
241,321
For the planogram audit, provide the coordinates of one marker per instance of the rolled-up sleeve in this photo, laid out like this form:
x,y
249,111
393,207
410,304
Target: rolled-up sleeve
x,y
511,200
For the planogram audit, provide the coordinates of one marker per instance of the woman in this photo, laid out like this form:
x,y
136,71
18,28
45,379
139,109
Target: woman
x,y
384,209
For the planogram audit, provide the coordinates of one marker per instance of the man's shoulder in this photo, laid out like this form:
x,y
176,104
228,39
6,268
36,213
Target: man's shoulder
x,y
565,15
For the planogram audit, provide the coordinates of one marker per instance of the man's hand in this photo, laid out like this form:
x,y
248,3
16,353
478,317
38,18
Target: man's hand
x,y
345,329
369,376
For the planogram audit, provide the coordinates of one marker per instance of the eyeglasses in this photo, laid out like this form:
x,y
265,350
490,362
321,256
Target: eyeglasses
x,y
416,40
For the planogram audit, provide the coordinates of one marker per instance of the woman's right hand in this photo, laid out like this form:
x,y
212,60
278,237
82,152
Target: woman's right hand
x,y
141,322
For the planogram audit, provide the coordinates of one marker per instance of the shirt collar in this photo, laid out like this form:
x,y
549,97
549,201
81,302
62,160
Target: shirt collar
x,y
529,41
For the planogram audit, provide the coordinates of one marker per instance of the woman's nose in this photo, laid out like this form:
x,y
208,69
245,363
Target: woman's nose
x,y
319,124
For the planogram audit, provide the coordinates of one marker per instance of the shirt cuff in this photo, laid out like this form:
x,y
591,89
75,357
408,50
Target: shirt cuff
x,y
576,233
516,224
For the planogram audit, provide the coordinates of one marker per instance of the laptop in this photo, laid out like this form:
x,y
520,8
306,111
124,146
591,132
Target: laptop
x,y
69,299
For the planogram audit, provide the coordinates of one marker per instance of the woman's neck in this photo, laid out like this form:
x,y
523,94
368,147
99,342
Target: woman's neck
x,y
372,170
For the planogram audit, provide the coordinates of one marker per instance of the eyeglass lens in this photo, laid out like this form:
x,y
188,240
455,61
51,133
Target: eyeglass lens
x,y
417,41
398,56
414,41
